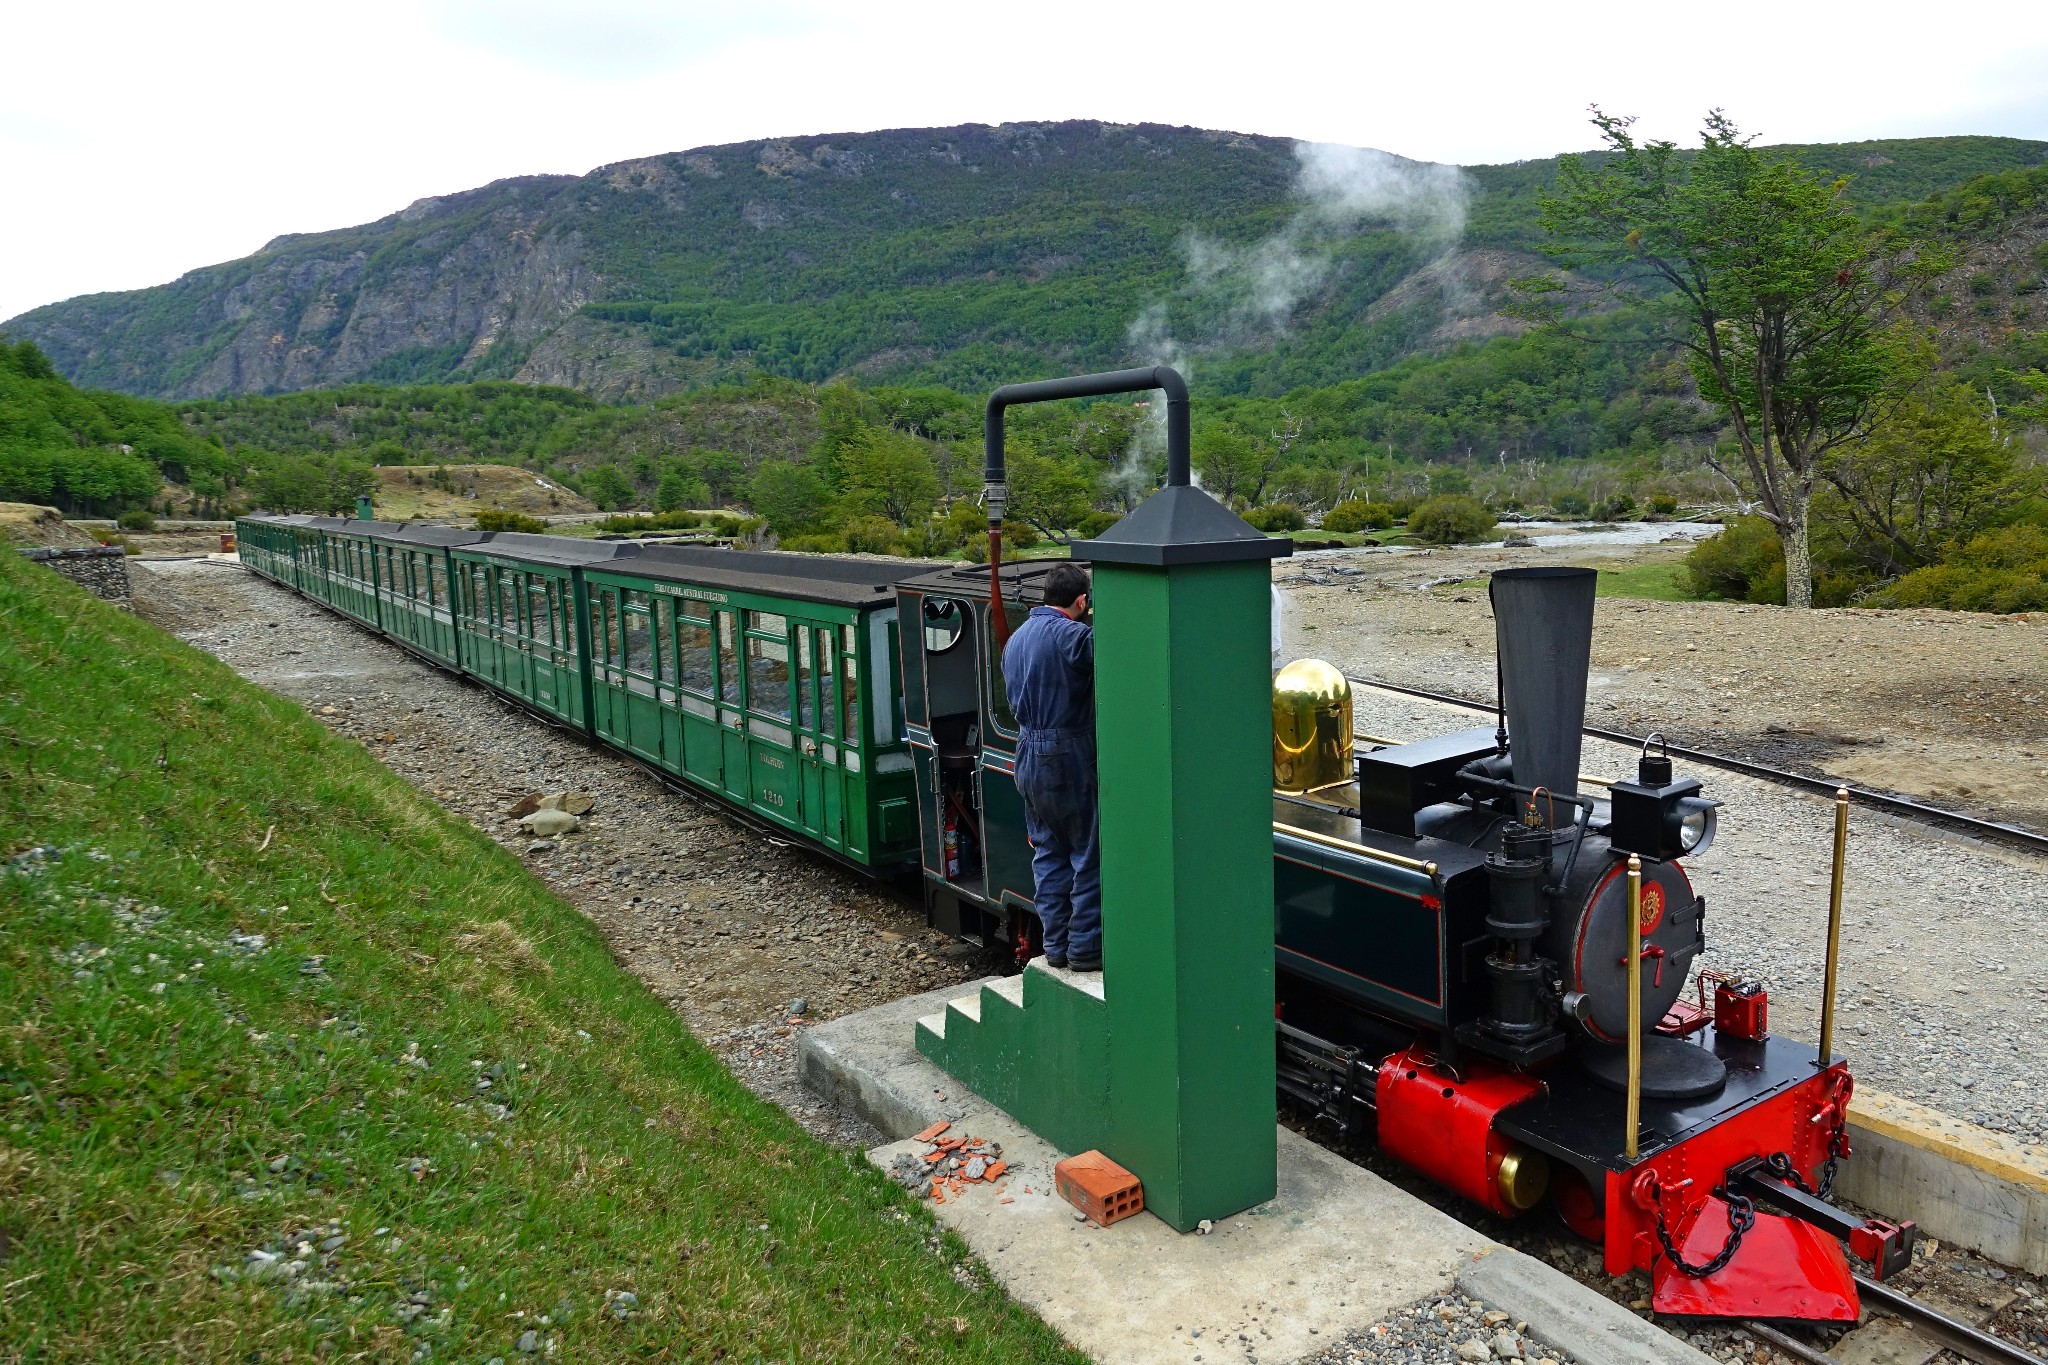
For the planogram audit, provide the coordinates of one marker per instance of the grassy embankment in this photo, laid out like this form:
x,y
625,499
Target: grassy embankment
x,y
260,998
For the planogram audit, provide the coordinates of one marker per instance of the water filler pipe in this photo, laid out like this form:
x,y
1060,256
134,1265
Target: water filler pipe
x,y
995,491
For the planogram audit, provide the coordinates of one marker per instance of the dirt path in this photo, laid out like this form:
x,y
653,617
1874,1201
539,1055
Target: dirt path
x,y
1951,707
726,925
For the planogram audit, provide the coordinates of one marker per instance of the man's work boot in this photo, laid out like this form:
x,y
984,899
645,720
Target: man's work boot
x,y
1084,964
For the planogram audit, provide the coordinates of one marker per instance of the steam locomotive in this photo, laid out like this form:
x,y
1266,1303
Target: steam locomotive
x,y
1451,928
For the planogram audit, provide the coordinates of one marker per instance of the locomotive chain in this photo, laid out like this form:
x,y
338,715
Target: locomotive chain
x,y
1741,1218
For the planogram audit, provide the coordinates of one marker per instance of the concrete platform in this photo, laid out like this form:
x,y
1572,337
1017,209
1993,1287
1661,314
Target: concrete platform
x,y
1338,1250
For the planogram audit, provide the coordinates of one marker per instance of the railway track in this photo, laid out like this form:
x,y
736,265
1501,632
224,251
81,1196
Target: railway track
x,y
2012,835
1932,1325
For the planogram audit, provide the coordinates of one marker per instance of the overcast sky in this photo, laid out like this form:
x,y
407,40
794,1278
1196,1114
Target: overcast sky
x,y
139,140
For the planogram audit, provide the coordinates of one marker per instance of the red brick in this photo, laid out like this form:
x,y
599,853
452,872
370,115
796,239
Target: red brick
x,y
995,1168
931,1134
1100,1188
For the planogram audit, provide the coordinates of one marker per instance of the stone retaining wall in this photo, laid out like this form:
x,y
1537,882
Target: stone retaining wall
x,y
101,570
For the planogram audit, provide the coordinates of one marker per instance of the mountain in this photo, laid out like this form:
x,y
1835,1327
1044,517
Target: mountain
x,y
961,256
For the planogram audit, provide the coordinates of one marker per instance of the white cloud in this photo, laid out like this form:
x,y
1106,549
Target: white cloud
x,y
140,140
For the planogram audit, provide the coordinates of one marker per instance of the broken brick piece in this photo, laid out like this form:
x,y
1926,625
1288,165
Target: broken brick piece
x,y
933,1132
995,1168
1098,1187
934,1157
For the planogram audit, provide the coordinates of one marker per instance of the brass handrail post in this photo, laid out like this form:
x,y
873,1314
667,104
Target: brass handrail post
x,y
1827,999
1635,1003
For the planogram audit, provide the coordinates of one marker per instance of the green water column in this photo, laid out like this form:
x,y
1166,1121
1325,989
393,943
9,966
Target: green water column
x,y
1183,611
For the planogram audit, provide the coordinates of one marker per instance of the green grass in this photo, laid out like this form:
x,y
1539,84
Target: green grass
x,y
1661,580
173,1097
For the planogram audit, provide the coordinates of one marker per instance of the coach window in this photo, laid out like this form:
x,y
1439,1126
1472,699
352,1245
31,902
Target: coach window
x,y
606,647
728,663
768,664
637,633
828,673
849,693
693,638
804,707
508,601
540,611
664,643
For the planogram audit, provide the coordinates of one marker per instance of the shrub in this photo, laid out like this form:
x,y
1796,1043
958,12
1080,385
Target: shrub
x,y
1615,508
1744,563
831,544
871,535
1663,504
1570,504
1095,523
1402,508
1277,516
498,519
926,540
1453,519
2002,571
1021,535
1358,515
136,519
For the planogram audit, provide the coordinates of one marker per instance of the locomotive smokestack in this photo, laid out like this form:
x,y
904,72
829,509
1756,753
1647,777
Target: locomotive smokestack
x,y
1543,630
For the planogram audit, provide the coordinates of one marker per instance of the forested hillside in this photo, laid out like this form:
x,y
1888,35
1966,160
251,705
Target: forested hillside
x,y
964,256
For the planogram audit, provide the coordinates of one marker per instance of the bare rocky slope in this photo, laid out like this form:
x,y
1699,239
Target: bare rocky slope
x,y
953,255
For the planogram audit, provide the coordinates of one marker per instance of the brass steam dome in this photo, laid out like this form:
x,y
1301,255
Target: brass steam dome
x,y
1311,727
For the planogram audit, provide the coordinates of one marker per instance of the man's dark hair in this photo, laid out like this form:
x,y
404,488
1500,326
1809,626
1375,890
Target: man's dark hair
x,y
1064,584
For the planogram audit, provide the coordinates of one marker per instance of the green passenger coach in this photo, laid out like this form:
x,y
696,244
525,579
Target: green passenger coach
x,y
767,681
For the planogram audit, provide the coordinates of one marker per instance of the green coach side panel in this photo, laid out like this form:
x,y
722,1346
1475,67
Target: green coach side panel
x,y
517,615
415,588
767,679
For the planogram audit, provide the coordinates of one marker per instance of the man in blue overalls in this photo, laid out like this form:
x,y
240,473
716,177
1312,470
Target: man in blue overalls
x,y
1049,673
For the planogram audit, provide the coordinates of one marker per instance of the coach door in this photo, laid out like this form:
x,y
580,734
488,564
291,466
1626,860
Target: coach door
x,y
544,613
735,770
812,672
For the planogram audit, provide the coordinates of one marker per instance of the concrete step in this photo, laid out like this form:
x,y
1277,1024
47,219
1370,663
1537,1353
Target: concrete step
x,y
936,1023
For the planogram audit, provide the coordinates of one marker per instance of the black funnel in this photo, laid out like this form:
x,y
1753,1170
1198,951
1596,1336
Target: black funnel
x,y
1543,629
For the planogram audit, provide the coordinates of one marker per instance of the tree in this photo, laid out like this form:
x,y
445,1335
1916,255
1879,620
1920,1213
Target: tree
x,y
1776,295
887,473
607,485
1232,464
679,488
1936,470
789,497
1050,492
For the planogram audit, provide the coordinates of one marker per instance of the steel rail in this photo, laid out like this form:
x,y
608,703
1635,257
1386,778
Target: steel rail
x,y
1790,1345
2027,839
1958,1336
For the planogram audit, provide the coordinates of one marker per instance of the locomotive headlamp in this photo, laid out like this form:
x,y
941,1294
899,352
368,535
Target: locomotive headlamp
x,y
1659,815
1697,822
